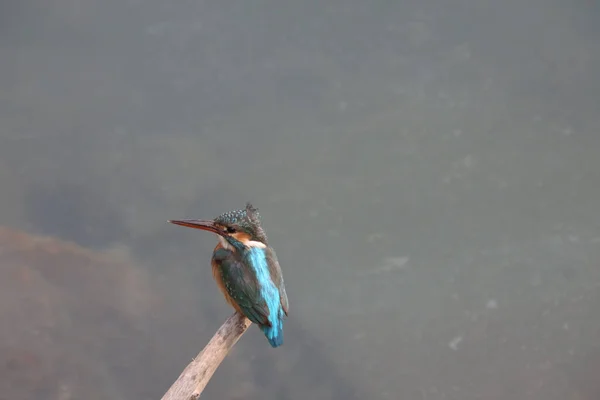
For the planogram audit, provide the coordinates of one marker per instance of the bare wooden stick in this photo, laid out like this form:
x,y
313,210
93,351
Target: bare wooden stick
x,y
195,376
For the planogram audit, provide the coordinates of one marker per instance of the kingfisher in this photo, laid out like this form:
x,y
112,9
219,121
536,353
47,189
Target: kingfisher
x,y
246,269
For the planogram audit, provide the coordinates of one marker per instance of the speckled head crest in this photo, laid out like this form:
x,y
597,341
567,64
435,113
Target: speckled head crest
x,y
247,220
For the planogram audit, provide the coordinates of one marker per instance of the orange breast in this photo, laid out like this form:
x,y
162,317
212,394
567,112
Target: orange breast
x,y
219,279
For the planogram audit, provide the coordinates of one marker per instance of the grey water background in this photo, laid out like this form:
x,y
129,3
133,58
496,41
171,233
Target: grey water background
x,y
420,166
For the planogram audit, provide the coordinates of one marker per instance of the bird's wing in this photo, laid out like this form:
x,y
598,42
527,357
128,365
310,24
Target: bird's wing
x,y
277,276
242,286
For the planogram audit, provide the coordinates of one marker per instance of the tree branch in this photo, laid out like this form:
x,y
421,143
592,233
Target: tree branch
x,y
195,376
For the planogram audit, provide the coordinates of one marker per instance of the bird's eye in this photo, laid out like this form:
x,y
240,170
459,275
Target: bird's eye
x,y
229,229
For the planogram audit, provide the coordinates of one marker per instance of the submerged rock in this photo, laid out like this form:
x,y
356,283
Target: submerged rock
x,y
64,311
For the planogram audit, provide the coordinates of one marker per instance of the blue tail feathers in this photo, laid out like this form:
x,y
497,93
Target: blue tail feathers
x,y
274,333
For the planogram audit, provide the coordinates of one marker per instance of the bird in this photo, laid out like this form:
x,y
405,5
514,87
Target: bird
x,y
246,269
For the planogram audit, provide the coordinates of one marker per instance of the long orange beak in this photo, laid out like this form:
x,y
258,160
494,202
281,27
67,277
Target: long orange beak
x,y
205,225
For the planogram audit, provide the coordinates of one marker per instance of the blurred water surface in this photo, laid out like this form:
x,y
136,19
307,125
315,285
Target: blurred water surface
x,y
427,171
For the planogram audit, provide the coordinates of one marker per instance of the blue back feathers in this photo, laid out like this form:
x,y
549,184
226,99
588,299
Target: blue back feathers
x,y
270,293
